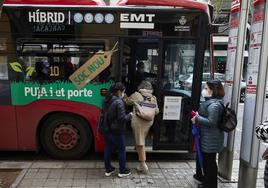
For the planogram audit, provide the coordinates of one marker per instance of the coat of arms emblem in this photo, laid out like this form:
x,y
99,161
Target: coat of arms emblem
x,y
182,20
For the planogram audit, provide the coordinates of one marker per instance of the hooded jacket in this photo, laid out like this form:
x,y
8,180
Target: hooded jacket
x,y
138,97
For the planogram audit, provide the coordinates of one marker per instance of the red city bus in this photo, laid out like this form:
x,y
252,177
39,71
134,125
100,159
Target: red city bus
x,y
43,42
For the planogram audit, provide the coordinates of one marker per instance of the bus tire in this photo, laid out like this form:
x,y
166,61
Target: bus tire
x,y
66,136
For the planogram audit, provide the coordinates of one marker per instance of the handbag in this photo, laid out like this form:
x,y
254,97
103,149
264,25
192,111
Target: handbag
x,y
145,110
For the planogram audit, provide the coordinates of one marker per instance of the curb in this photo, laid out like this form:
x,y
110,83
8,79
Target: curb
x,y
19,178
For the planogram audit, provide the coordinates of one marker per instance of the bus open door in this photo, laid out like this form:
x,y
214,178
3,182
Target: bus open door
x,y
169,64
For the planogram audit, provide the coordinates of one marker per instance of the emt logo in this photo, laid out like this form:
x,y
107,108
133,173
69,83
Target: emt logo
x,y
136,21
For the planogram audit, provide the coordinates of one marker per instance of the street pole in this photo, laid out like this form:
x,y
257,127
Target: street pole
x,y
232,86
255,96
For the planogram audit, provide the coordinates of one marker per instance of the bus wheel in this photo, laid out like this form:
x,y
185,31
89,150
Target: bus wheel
x,y
66,136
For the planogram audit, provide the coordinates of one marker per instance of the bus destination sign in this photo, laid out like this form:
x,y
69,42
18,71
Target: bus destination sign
x,y
47,21
46,17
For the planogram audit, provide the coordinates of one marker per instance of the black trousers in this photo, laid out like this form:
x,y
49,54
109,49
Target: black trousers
x,y
210,170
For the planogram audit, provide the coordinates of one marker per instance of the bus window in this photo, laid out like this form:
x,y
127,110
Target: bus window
x,y
50,61
3,44
3,59
206,77
140,63
3,68
146,65
207,61
4,83
179,64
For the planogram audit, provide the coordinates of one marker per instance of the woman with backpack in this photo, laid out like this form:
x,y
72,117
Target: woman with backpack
x,y
115,136
141,124
208,118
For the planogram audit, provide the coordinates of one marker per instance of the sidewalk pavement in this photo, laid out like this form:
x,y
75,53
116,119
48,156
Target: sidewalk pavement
x,y
85,174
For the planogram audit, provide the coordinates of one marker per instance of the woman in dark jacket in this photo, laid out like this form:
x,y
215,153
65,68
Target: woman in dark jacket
x,y
115,137
211,137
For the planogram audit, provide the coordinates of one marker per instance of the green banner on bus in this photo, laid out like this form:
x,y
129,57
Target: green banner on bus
x,y
23,93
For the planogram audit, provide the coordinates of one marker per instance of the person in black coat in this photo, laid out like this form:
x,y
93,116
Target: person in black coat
x,y
115,137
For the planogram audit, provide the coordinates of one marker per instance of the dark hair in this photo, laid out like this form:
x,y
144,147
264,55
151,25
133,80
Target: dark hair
x,y
118,86
216,87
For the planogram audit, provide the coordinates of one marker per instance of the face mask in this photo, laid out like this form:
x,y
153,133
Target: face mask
x,y
205,93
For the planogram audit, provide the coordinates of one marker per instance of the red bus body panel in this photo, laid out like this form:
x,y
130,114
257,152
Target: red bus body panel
x,y
8,133
256,2
55,2
20,127
29,117
176,3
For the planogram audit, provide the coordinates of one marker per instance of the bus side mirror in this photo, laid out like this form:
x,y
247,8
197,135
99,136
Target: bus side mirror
x,y
214,28
219,28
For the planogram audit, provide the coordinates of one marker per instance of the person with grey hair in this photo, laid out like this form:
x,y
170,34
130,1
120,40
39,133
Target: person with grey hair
x,y
141,126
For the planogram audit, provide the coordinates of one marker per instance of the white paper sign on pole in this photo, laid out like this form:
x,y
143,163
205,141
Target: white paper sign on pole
x,y
172,108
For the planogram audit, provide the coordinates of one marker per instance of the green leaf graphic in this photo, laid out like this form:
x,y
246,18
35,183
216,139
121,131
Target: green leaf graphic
x,y
16,67
29,71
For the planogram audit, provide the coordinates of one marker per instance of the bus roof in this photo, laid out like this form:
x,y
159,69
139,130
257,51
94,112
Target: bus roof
x,y
53,3
190,4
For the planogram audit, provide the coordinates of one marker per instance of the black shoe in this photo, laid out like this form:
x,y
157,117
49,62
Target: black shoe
x,y
198,178
124,173
200,186
110,172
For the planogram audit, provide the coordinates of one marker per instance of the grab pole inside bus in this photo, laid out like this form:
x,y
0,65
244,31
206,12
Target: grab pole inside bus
x,y
226,156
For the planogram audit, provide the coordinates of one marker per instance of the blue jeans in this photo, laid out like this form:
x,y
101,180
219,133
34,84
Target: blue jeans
x,y
118,141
